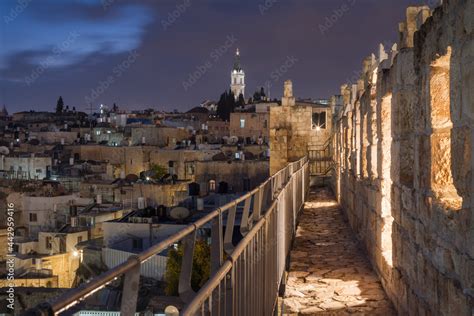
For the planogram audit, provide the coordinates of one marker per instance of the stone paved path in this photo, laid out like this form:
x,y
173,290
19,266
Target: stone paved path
x,y
329,274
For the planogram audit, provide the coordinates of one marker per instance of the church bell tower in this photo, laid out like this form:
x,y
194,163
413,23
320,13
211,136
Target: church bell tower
x,y
237,77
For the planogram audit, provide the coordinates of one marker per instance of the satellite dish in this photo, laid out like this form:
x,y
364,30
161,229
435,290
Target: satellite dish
x,y
233,139
4,150
179,213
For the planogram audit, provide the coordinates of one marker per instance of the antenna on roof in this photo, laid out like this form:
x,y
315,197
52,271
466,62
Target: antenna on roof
x,y
90,117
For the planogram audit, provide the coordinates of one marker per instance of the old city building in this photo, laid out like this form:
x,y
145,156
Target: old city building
x,y
295,128
389,160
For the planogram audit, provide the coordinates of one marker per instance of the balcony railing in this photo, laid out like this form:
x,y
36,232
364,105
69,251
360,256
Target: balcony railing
x,y
247,281
320,159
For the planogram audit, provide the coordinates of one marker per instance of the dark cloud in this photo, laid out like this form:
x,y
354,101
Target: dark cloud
x,y
172,39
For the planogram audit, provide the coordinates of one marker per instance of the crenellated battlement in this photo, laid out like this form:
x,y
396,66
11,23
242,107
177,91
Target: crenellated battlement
x,y
403,147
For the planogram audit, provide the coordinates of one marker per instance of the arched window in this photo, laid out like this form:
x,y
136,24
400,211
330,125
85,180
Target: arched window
x,y
319,120
212,185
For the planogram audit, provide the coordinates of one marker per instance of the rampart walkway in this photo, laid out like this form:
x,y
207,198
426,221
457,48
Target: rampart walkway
x,y
329,274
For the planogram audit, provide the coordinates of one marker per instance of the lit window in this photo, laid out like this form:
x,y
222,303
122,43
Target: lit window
x,y
212,185
319,120
242,123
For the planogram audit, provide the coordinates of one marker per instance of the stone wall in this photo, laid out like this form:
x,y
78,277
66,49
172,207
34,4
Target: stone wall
x,y
232,172
403,149
158,136
40,282
183,160
249,125
292,131
133,159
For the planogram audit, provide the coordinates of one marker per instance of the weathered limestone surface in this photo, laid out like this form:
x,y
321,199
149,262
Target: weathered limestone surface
x,y
291,131
329,274
404,150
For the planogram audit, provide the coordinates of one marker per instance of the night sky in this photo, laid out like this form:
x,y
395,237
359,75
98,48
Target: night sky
x,y
174,54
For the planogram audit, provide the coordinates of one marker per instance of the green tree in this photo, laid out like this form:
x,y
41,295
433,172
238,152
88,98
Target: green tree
x,y
201,267
159,171
256,96
241,101
226,105
221,106
60,105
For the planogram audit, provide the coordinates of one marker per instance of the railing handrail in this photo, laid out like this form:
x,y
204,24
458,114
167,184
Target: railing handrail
x,y
214,281
218,295
73,296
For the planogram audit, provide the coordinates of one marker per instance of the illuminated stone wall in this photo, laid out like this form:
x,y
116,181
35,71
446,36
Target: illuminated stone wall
x,y
131,160
292,132
403,147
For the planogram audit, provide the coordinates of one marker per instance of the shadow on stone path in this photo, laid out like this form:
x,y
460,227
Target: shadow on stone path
x,y
329,274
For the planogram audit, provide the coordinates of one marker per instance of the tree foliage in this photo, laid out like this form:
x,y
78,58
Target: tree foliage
x,y
159,171
226,105
241,101
259,95
256,96
60,105
201,267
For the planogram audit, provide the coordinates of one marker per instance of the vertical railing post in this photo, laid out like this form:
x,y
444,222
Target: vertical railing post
x,y
131,284
185,289
257,204
216,243
229,229
229,293
245,222
217,249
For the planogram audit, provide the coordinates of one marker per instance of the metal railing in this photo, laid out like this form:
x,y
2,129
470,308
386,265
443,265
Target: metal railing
x,y
248,280
320,159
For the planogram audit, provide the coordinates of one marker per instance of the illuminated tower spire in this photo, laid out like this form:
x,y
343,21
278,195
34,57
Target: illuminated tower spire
x,y
237,84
